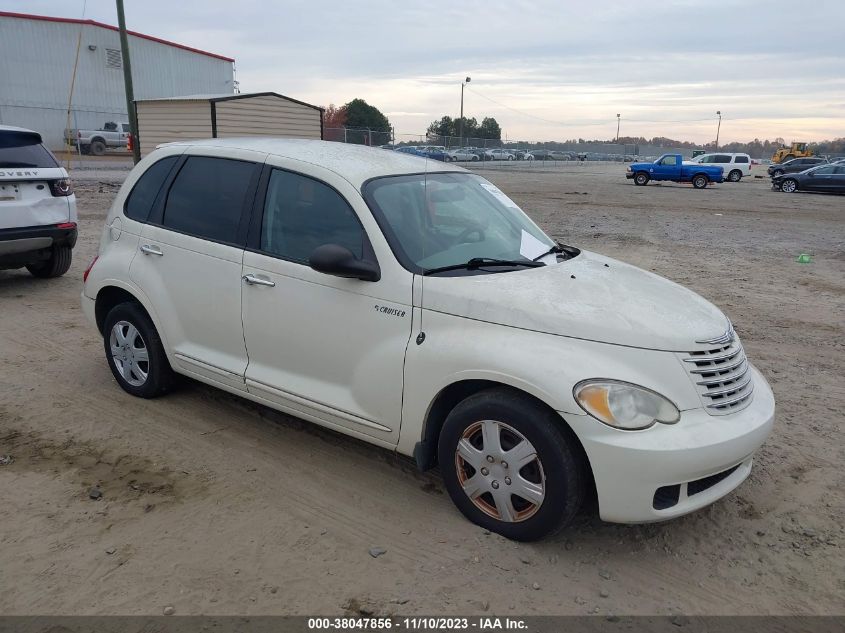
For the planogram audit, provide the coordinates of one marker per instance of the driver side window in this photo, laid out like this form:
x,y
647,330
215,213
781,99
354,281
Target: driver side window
x,y
301,213
669,160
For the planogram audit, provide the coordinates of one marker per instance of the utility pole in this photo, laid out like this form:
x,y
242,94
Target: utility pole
x,y
618,121
127,80
718,128
463,83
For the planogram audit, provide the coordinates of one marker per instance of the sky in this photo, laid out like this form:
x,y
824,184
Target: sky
x,y
546,70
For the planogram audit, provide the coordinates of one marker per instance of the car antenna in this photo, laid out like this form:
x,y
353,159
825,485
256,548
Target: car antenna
x,y
421,334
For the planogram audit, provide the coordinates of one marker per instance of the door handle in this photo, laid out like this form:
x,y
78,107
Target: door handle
x,y
148,249
252,280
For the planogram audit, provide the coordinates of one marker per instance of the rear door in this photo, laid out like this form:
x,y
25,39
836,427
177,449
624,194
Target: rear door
x,y
189,262
26,170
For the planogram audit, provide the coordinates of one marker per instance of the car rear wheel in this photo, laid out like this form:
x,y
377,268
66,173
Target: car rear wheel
x,y
789,185
699,182
56,266
641,179
511,465
735,175
135,353
97,148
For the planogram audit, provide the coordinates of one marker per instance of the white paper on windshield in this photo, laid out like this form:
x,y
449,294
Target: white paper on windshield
x,y
499,195
530,247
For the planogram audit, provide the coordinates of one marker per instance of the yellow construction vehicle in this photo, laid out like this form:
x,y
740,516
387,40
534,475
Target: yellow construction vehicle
x,y
798,150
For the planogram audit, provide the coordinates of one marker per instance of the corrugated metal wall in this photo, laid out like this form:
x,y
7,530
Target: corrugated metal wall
x,y
36,64
171,120
267,116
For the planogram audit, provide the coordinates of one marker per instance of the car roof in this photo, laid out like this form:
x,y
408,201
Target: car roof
x,y
355,163
12,128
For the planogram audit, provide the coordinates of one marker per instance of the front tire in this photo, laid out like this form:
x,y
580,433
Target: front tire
x,y
510,465
135,353
789,185
699,182
641,179
735,175
57,265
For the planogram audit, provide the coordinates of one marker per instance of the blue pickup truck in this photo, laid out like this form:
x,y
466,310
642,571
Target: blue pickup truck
x,y
672,167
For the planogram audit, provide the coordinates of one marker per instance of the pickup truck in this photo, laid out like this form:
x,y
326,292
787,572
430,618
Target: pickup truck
x,y
112,136
672,167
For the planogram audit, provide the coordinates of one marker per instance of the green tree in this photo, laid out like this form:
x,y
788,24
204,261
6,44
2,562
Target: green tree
x,y
361,115
490,129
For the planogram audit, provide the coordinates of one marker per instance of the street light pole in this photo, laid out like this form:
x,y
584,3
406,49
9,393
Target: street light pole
x,y
618,121
463,83
718,128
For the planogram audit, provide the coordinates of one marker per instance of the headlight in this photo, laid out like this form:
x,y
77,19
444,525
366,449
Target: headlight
x,y
628,168
623,405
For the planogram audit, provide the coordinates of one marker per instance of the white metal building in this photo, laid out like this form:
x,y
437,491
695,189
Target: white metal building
x,y
225,116
37,56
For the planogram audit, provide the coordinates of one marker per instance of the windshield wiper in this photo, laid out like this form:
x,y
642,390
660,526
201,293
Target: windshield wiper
x,y
557,248
478,262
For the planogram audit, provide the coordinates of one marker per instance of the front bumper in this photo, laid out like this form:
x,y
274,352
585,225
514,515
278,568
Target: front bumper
x,y
20,246
629,175
669,470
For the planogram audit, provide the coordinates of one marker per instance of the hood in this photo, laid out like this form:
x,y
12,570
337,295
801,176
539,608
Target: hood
x,y
589,297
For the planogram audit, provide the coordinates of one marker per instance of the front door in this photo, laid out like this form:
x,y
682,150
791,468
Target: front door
x,y
189,264
322,347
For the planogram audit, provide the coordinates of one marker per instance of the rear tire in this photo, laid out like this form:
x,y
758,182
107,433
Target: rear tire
x,y
641,179
547,466
699,181
735,175
135,353
97,148
58,264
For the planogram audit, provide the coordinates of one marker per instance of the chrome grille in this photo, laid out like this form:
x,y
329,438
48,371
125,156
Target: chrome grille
x,y
722,377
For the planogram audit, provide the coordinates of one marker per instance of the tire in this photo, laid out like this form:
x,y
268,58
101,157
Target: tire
x,y
97,148
553,470
641,179
511,158
474,159
735,175
128,332
700,181
58,264
789,185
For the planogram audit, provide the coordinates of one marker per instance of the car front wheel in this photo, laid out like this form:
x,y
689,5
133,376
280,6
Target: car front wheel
x,y
789,185
135,353
511,465
641,179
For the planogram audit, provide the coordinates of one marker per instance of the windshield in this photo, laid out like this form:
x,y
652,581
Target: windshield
x,y
437,220
24,149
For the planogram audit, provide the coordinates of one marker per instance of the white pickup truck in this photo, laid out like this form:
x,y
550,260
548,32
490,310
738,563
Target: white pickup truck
x,y
111,136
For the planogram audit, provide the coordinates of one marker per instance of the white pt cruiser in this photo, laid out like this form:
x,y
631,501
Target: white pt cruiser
x,y
413,305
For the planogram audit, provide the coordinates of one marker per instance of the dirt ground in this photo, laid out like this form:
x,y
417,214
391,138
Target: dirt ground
x,y
213,505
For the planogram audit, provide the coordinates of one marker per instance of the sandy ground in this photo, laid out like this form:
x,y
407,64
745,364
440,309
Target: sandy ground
x,y
213,505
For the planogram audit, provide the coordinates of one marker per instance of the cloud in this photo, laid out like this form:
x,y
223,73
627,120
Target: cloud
x,y
545,70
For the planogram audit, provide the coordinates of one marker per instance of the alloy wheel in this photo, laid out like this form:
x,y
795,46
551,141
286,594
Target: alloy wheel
x,y
129,353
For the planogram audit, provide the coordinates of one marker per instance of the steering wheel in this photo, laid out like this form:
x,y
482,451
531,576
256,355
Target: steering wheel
x,y
462,238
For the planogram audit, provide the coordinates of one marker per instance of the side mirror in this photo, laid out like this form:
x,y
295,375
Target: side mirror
x,y
337,260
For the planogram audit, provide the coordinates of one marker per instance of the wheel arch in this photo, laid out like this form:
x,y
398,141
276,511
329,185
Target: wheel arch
x,y
425,451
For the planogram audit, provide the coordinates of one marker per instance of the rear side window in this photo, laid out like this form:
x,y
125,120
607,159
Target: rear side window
x,y
741,159
24,149
207,197
142,197
722,158
301,213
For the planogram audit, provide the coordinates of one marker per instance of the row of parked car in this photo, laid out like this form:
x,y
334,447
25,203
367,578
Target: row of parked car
x,y
809,174
475,154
